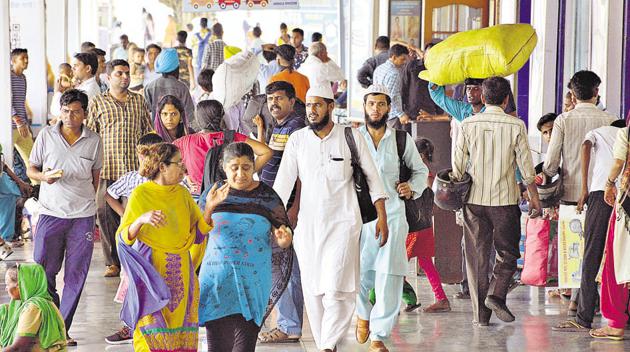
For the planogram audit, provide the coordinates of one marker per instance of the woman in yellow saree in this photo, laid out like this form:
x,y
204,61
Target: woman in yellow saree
x,y
160,226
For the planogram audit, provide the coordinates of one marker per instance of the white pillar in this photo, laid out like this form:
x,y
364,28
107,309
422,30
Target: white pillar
x,y
606,51
74,27
542,81
89,22
28,30
6,139
56,32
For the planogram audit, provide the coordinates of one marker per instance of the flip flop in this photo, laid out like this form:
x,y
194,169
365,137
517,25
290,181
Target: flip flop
x,y
598,334
570,326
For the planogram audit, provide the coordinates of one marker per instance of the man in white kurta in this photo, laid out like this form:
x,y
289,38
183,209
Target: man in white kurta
x,y
383,268
329,223
319,68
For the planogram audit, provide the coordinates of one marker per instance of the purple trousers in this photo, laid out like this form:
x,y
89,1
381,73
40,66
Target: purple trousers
x,y
73,238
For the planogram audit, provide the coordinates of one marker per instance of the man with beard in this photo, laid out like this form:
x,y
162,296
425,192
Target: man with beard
x,y
120,117
280,101
384,268
328,230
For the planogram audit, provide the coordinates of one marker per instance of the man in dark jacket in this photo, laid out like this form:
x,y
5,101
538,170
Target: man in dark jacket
x,y
381,54
415,94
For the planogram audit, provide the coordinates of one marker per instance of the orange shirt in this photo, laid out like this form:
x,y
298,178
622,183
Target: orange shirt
x,y
298,80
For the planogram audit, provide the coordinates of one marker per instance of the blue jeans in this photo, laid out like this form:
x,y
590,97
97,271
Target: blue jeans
x,y
291,304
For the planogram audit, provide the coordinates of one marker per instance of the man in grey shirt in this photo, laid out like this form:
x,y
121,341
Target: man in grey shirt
x,y
67,158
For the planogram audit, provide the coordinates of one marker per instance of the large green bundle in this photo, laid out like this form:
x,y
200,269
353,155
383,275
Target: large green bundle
x,y
500,50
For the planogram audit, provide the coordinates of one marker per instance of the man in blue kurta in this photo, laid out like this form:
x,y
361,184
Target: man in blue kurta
x,y
383,267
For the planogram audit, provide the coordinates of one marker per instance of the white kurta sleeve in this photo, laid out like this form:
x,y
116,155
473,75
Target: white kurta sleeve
x,y
334,73
288,171
419,171
377,190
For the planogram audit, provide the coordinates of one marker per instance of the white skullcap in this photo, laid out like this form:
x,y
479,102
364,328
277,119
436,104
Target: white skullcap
x,y
322,91
377,89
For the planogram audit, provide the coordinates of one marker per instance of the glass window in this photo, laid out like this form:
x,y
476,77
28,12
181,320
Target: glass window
x,y
450,19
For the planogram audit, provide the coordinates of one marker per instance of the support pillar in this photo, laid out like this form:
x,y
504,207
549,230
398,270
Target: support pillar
x,y
28,30
6,139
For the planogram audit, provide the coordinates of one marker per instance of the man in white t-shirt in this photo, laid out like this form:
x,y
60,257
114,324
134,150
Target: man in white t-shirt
x,y
597,146
84,70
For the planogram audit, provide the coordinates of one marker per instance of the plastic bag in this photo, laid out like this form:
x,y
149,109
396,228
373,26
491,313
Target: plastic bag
x,y
536,252
500,50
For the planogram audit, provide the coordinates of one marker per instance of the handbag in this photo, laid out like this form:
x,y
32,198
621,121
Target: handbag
x,y
368,210
419,212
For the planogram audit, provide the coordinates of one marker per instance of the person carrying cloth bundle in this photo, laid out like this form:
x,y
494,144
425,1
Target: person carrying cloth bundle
x,y
31,321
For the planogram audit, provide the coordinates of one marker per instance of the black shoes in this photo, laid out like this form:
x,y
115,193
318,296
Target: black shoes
x,y
499,308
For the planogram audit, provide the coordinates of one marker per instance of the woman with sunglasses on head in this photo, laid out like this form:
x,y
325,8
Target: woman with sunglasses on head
x,y
160,226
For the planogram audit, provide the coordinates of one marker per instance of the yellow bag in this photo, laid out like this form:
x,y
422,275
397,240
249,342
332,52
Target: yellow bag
x,y
229,51
500,50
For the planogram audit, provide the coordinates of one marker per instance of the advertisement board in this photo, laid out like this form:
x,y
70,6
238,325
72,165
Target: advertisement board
x,y
225,5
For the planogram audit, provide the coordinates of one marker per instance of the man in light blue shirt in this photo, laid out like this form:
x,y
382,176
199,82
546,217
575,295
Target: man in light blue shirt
x,y
384,267
459,109
389,75
267,70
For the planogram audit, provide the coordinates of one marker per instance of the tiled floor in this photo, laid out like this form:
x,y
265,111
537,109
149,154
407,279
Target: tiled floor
x,y
97,316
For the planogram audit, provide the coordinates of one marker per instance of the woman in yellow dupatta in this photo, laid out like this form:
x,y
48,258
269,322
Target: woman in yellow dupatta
x,y
160,226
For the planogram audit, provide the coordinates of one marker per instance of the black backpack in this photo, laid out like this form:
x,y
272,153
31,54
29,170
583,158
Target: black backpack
x,y
212,168
419,212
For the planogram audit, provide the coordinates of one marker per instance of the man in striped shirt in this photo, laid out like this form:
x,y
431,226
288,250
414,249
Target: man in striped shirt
x,y
490,147
569,130
120,117
280,101
22,137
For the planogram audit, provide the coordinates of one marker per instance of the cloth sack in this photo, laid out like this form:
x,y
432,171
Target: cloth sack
x,y
499,50
536,252
234,78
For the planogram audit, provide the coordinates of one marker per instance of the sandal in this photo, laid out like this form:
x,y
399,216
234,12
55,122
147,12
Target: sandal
x,y
602,334
276,335
570,326
411,307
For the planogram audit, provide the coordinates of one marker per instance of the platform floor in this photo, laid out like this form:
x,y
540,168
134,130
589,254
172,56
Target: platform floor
x,y
97,317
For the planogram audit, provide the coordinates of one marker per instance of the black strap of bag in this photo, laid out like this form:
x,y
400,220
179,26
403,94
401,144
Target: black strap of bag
x,y
368,211
212,170
419,212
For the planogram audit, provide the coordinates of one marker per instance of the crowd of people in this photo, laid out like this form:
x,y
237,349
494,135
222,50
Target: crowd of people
x,y
214,195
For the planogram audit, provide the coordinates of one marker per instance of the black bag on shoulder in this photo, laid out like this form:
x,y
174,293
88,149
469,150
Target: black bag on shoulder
x,y
368,211
419,211
212,168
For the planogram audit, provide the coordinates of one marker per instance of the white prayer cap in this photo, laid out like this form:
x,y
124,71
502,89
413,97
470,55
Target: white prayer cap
x,y
322,91
377,89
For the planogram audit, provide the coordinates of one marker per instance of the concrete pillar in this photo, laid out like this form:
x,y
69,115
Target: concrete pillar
x,y
606,51
5,81
542,87
89,22
56,32
28,30
74,27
